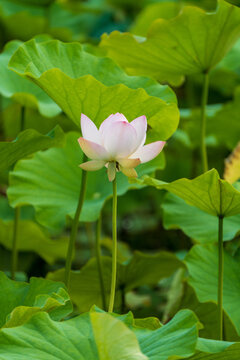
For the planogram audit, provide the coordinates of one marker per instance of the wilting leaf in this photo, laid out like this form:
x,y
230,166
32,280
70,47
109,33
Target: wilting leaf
x,y
232,166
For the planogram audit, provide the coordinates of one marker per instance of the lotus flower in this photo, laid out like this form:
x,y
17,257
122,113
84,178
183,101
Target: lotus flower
x,y
117,144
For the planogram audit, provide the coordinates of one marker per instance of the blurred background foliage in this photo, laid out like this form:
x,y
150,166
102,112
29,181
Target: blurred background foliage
x,y
144,218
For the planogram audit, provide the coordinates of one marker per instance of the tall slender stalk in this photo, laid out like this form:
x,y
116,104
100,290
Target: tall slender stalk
x,y
91,238
99,261
220,277
17,210
114,247
15,242
203,122
75,223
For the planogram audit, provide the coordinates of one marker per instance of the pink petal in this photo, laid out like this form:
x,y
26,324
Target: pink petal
x,y
129,172
140,125
149,152
92,150
89,130
120,140
110,120
129,163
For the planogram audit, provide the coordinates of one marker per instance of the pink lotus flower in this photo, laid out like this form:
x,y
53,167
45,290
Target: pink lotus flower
x,y
118,144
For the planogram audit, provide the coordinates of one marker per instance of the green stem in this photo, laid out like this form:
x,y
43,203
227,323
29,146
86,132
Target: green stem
x,y
74,229
114,247
16,216
22,119
123,299
15,242
91,238
220,277
203,122
99,261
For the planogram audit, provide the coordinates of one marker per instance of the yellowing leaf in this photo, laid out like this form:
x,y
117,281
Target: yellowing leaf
x,y
232,166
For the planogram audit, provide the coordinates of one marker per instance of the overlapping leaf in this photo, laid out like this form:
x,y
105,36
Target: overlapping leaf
x,y
32,239
22,20
78,86
141,269
178,214
22,90
226,76
183,326
207,313
99,336
21,300
202,263
159,10
27,143
51,180
217,124
230,353
207,192
192,42
95,336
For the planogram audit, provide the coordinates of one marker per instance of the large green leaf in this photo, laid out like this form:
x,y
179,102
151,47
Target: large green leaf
x,y
146,269
32,238
141,269
181,332
226,76
22,90
97,335
22,20
163,10
192,42
217,124
78,86
202,263
207,192
90,336
178,214
22,300
207,313
50,182
154,342
230,353
27,143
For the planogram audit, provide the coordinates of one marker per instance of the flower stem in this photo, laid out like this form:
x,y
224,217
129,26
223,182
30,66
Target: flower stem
x,y
114,246
203,122
74,229
99,261
17,211
220,277
15,242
